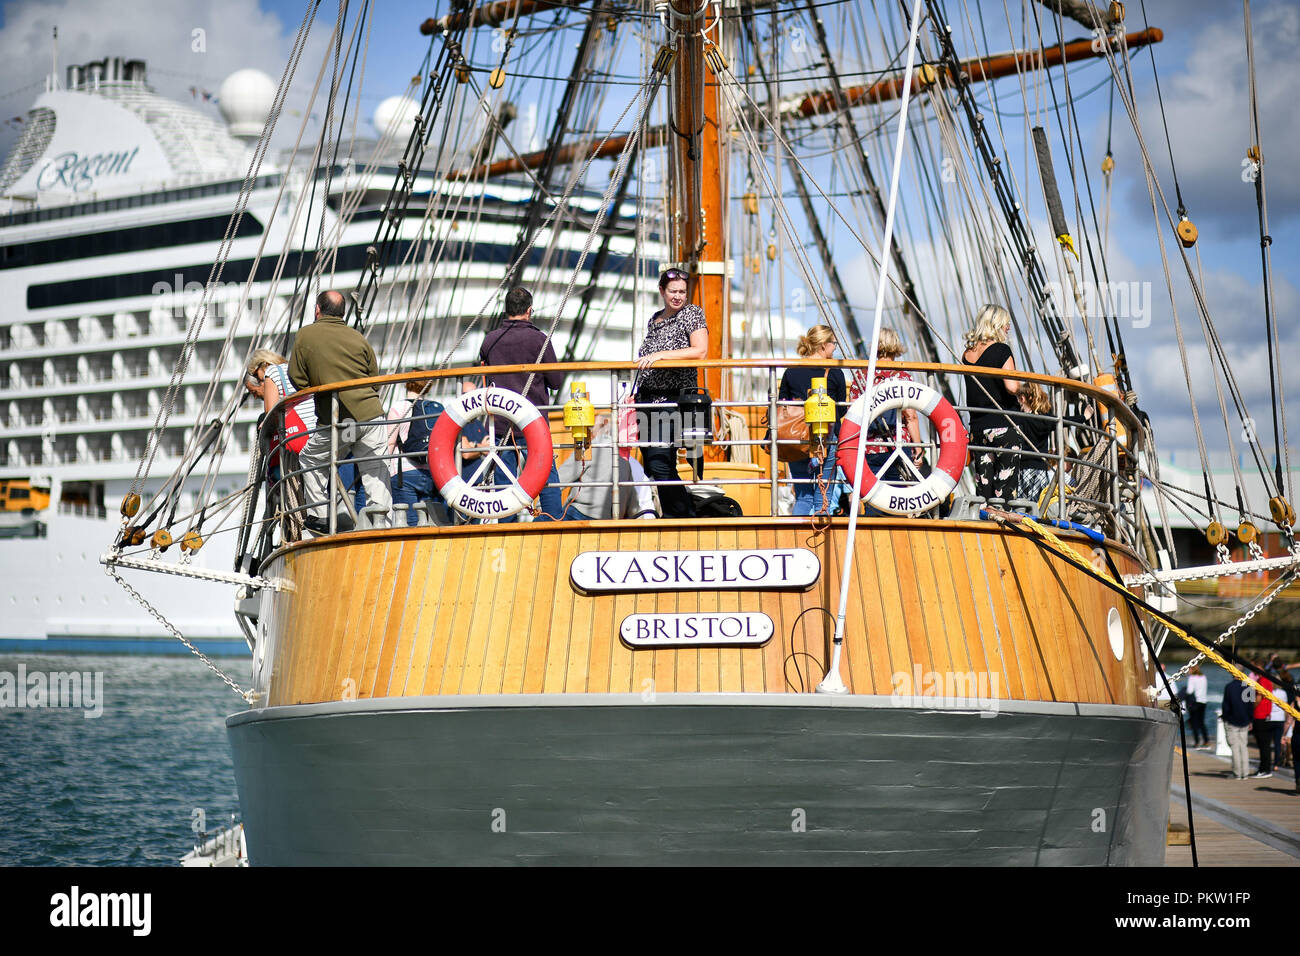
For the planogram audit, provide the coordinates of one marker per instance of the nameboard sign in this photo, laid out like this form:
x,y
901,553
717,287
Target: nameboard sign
x,y
789,568
737,629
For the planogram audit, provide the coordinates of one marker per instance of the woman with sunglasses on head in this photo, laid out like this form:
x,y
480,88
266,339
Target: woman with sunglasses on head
x,y
267,377
677,331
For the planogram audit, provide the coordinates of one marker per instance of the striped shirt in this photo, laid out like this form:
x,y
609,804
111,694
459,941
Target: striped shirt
x,y
279,374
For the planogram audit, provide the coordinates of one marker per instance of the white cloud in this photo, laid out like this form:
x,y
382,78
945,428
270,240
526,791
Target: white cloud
x,y
235,34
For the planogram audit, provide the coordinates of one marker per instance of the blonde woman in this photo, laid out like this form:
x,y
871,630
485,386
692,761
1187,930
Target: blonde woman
x,y
796,383
989,399
267,377
1035,475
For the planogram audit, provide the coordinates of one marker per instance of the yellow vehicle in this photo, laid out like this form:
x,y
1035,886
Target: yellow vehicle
x,y
19,494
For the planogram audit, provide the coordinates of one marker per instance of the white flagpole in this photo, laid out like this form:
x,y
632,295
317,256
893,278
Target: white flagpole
x,y
832,683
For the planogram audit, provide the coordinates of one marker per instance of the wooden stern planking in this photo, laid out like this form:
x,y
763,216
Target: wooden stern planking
x,y
491,609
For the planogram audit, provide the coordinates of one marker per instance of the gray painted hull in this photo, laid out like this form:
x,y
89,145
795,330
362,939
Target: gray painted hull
x,y
701,779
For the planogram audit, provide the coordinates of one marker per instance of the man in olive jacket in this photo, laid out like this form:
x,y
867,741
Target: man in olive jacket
x,y
329,351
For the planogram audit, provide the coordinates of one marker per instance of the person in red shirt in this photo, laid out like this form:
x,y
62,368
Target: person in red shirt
x,y
1263,736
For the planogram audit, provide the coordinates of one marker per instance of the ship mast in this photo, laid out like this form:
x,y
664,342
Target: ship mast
x,y
696,173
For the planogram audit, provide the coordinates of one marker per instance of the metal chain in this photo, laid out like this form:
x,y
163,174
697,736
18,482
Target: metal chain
x,y
1278,588
1223,572
247,695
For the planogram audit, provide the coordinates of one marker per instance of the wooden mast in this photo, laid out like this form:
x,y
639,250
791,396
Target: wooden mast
x,y
696,187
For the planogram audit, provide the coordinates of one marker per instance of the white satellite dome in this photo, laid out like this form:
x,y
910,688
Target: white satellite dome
x,y
245,98
397,113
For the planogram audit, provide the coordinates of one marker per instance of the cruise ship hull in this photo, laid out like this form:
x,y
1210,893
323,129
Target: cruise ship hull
x,y
60,600
721,779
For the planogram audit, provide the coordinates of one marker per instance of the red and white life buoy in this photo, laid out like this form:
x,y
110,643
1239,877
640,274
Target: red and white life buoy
x,y
1110,421
929,493
501,502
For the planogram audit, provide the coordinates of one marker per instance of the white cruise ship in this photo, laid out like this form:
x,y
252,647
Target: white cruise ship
x,y
113,205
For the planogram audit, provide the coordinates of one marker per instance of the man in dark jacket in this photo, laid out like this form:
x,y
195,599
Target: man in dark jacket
x,y
519,342
1238,711
325,352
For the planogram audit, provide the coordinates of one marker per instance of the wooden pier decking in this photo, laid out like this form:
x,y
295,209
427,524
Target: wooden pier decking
x,y
1251,822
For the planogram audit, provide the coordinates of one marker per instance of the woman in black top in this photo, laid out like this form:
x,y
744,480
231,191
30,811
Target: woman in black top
x,y
677,331
796,383
988,399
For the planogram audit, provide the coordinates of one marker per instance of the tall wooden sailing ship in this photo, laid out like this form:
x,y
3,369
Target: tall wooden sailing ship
x,y
762,688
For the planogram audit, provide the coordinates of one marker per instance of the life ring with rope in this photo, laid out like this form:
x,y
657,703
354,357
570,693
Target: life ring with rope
x,y
1110,422
931,490
519,494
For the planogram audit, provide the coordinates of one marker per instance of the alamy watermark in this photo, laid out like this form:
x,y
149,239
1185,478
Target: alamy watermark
x,y
83,690
1130,301
956,690
191,292
74,909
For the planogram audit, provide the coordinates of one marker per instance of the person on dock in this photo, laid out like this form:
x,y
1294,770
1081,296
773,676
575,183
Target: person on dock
x,y
1196,695
1277,721
325,352
1238,712
1263,733
519,342
677,331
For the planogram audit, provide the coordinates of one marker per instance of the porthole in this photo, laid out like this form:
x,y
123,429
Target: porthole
x,y
1115,630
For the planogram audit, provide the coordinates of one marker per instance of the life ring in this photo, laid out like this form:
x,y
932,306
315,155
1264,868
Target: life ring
x,y
1110,422
524,416
930,492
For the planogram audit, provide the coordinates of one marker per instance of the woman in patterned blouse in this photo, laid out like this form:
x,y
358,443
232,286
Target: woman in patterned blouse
x,y
677,331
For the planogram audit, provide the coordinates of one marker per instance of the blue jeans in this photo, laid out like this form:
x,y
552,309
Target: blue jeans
x,y
350,479
549,496
808,498
412,485
573,514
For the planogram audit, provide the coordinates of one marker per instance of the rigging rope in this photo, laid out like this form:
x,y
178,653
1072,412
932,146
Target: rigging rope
x,y
192,334
1266,261
1049,541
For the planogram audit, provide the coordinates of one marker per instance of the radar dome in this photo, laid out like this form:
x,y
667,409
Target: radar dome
x,y
395,116
245,98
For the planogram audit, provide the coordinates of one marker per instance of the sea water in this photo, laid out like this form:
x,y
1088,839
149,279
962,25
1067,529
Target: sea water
x,y
117,767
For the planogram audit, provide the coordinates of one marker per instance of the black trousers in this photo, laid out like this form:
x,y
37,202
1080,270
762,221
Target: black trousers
x,y
661,463
1264,741
1196,715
